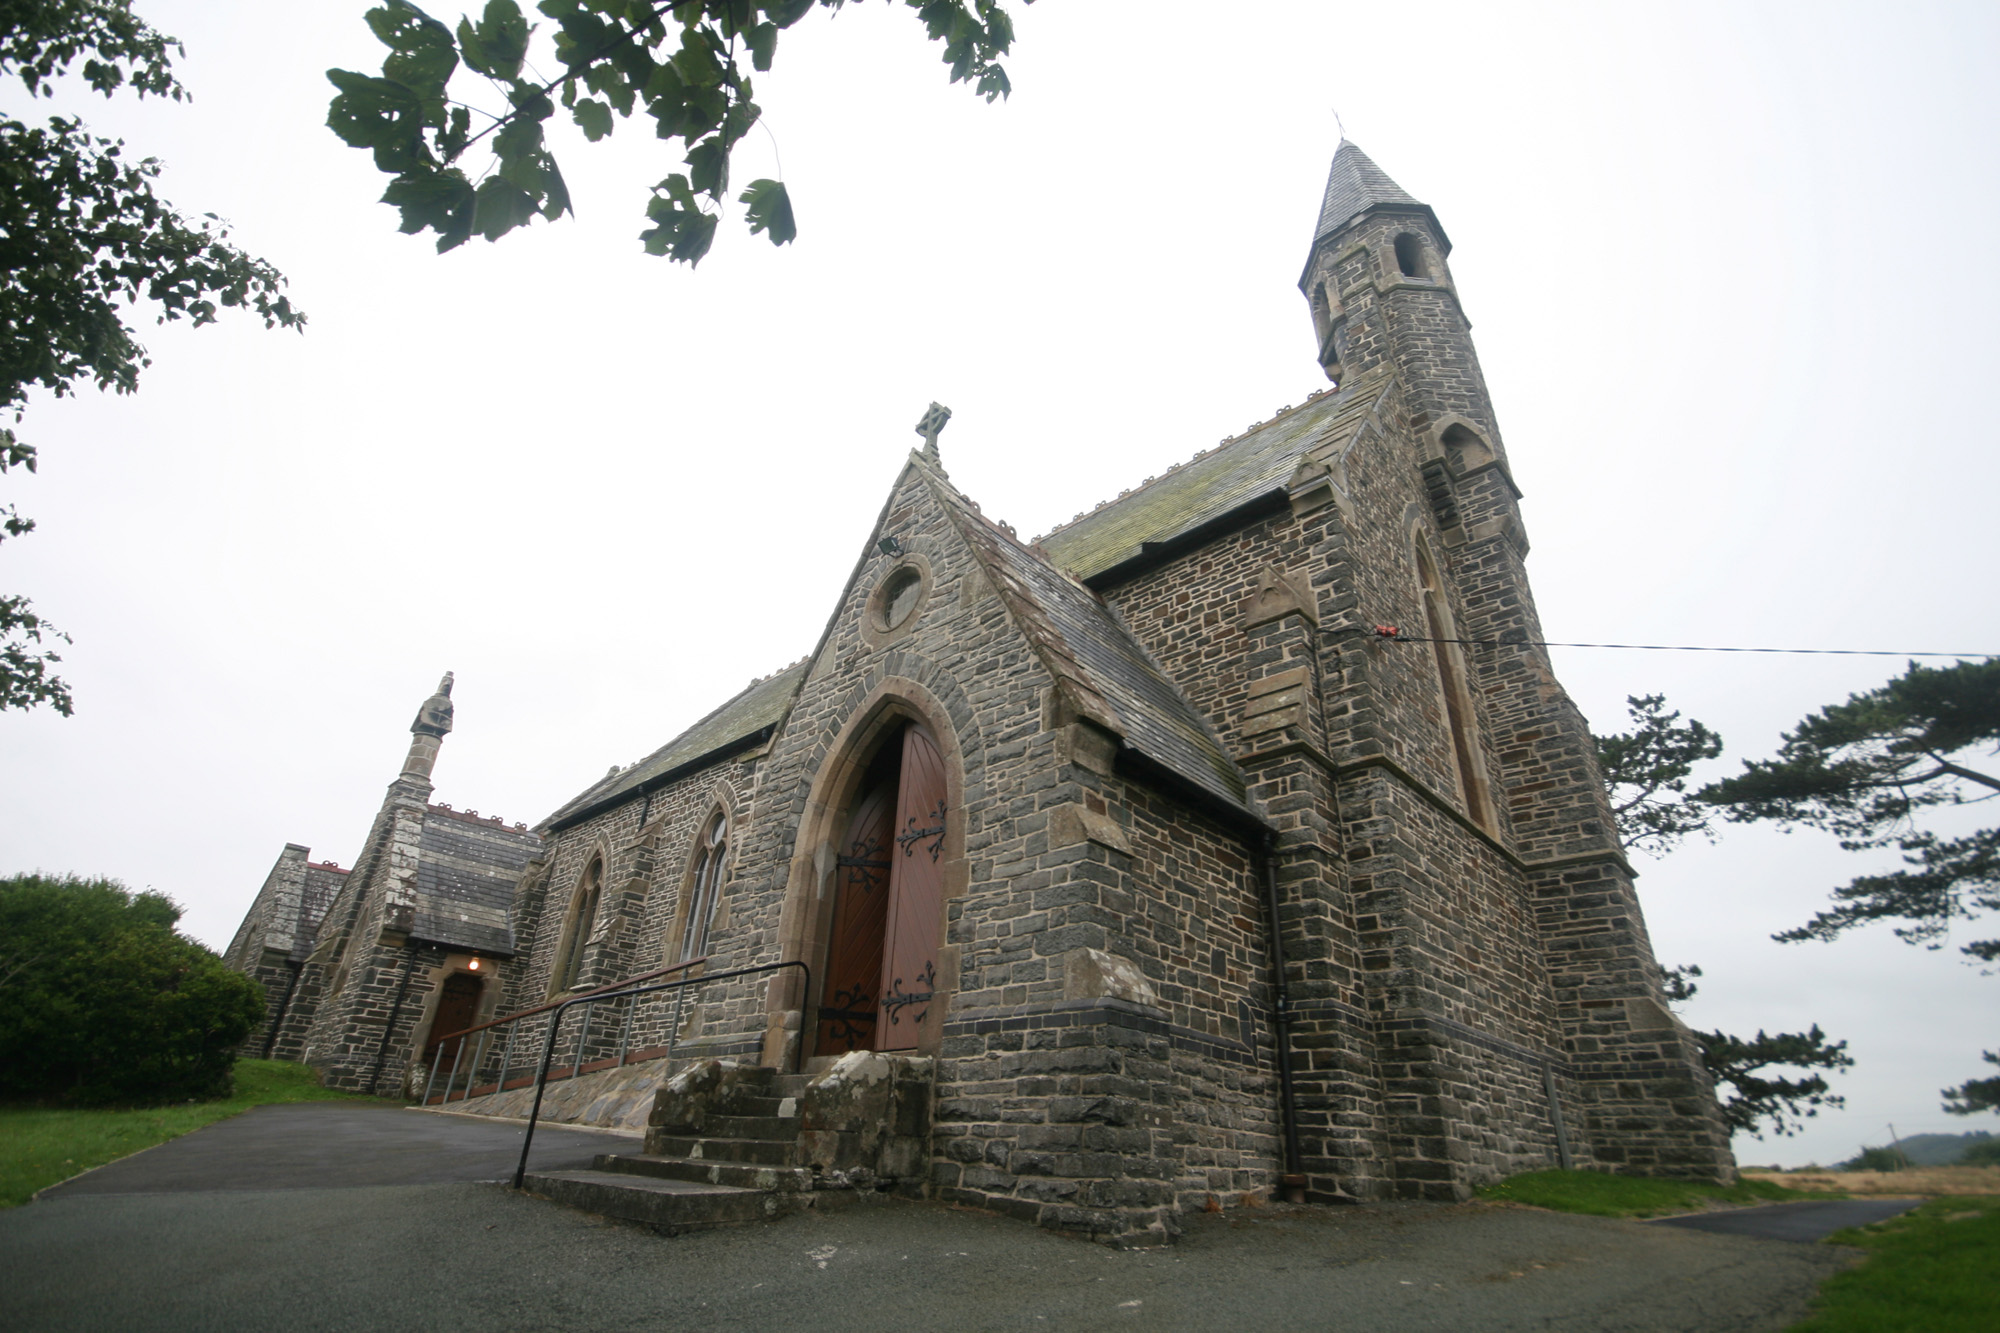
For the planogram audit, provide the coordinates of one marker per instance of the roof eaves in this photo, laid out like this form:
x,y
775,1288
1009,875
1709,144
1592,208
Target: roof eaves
x,y
748,741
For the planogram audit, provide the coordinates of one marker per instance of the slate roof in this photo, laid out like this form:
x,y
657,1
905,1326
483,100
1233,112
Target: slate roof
x,y
1094,657
467,868
1256,464
761,705
1353,186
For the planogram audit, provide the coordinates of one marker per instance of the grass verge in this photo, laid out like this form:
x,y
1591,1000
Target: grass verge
x,y
1630,1196
1935,1269
40,1145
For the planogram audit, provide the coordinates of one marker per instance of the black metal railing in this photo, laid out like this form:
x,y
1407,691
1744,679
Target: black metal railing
x,y
513,1023
633,992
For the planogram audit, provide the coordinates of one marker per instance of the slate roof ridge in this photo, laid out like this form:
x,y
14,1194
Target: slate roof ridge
x,y
1043,637
609,782
474,817
1215,771
1172,468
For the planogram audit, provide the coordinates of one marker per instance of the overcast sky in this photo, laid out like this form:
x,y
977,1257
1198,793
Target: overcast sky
x,y
1730,269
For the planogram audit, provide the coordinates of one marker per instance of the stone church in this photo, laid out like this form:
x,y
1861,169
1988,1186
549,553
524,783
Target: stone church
x,y
1233,838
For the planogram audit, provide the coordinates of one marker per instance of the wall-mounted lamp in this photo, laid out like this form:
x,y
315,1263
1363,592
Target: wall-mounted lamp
x,y
473,965
890,546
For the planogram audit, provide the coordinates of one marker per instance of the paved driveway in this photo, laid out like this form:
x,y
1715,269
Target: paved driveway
x,y
1804,1221
282,1218
339,1145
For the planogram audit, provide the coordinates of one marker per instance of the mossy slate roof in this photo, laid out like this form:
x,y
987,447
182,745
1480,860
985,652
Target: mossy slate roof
x,y
761,705
1255,464
1082,642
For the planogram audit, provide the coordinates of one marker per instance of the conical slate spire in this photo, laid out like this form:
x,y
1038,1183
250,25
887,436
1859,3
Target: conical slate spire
x,y
1354,186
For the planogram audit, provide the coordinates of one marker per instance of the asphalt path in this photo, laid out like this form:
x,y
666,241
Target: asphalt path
x,y
1805,1220
307,1218
341,1145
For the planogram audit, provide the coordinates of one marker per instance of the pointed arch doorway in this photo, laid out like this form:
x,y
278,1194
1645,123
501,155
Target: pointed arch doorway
x,y
888,910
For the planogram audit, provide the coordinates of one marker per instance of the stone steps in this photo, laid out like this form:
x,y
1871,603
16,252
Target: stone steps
x,y
761,1152
724,1148
772,1127
671,1206
742,1167
744,1175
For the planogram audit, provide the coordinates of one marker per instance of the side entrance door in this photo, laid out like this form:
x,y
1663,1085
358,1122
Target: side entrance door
x,y
916,896
888,913
458,1009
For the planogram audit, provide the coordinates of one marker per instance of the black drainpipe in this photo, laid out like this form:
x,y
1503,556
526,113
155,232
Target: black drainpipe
x,y
278,1023
1294,1179
395,1012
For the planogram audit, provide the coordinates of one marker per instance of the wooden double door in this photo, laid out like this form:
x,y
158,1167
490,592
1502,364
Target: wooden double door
x,y
888,910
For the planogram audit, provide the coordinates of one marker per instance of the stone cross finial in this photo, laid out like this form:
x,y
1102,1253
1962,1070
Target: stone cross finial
x,y
932,423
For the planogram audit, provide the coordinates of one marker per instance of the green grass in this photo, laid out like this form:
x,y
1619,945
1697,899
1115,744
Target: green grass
x,y
1630,1196
1935,1269
40,1146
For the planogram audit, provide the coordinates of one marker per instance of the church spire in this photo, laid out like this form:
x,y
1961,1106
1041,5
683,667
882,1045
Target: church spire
x,y
1356,185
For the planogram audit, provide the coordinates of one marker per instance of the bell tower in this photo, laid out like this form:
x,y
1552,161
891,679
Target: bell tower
x,y
1384,306
1380,290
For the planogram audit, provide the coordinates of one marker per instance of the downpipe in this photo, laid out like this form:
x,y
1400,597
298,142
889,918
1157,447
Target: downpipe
x,y
1294,1180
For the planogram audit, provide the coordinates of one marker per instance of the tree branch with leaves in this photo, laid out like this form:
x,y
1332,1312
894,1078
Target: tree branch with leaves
x,y
83,241
1867,771
1740,1064
684,66
1647,771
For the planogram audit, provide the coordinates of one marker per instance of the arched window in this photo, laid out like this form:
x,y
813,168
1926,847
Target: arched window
x,y
1410,256
711,864
582,917
1465,449
1451,682
1326,309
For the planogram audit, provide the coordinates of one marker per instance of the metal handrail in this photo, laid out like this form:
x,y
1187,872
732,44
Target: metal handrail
x,y
549,1044
438,1044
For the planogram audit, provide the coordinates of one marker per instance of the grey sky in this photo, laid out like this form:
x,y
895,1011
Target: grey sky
x,y
1730,271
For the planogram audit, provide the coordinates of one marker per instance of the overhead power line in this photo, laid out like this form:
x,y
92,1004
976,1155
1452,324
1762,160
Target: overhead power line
x,y
1392,633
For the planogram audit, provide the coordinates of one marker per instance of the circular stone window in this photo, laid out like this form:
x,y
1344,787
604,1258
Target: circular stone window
x,y
897,601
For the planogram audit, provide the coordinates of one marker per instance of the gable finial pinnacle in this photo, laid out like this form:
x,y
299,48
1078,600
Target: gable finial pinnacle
x,y
930,425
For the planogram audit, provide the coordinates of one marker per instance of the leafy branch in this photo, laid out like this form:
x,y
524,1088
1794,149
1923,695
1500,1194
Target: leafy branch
x,y
1739,1063
83,238
1865,770
681,64
1975,1094
1647,770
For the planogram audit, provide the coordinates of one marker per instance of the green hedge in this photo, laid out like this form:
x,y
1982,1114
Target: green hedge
x,y
102,1003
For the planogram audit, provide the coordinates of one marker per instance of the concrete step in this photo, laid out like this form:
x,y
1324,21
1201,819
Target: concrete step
x,y
764,1152
742,1175
782,1128
767,1106
673,1206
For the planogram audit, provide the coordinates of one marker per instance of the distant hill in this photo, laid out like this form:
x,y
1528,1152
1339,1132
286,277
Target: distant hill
x,y
1939,1149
